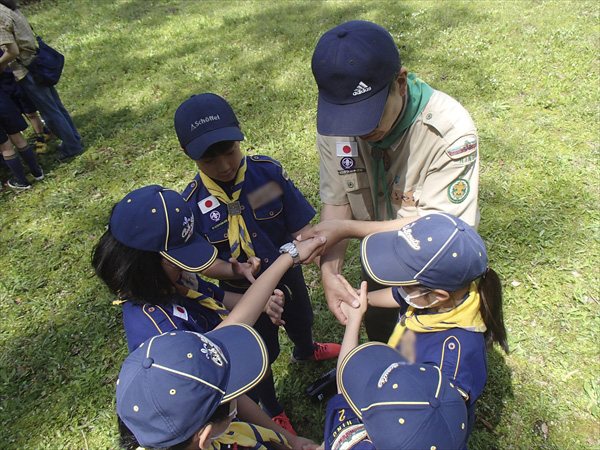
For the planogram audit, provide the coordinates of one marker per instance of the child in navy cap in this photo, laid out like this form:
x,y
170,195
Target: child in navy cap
x,y
386,402
450,300
248,206
149,257
180,390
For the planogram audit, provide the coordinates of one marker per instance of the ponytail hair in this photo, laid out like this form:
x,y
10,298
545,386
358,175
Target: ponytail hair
x,y
490,308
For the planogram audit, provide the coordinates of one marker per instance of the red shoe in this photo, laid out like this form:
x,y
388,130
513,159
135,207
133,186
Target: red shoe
x,y
323,351
284,422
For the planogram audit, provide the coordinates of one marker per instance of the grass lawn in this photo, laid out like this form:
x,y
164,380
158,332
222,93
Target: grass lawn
x,y
528,71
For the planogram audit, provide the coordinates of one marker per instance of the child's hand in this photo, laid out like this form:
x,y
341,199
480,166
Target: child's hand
x,y
308,249
247,269
274,307
354,314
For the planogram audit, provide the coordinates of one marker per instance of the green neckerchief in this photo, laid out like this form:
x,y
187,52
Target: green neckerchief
x,y
417,96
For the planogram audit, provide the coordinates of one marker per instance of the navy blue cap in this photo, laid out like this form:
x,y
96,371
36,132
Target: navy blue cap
x,y
156,219
402,405
353,65
438,251
203,120
171,384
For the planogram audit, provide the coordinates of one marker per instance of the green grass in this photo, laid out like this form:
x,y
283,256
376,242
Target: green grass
x,y
526,70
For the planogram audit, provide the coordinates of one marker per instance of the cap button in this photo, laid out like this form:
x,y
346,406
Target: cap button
x,y
342,33
460,227
435,402
147,363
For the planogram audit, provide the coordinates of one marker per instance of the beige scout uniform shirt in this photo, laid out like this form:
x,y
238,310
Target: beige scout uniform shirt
x,y
433,166
14,29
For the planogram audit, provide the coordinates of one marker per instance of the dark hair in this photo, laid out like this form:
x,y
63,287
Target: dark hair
x,y
131,274
128,441
10,4
490,307
217,149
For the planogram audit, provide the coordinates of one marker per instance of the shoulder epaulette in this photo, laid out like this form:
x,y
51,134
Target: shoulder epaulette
x,y
189,190
264,158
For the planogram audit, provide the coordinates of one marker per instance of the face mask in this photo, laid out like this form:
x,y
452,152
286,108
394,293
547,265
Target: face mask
x,y
409,298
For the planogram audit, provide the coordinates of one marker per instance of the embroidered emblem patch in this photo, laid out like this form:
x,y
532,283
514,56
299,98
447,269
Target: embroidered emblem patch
x,y
208,204
347,163
215,216
406,233
346,149
213,351
463,147
458,190
188,228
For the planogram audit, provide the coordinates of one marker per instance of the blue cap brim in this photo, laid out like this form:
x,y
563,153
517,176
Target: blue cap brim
x,y
380,262
351,119
197,255
248,357
197,147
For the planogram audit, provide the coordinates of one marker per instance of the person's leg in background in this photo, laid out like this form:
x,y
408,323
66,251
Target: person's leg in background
x,y
48,103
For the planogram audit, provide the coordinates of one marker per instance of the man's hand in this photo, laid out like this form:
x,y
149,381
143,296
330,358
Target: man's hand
x,y
336,294
247,269
274,307
333,230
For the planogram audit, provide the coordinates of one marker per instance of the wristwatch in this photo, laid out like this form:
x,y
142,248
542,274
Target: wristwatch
x,y
293,251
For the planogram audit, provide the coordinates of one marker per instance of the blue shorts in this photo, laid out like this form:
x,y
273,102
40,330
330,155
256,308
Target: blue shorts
x,y
11,119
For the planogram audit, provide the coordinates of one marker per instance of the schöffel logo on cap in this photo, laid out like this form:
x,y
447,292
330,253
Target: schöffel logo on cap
x,y
207,119
361,89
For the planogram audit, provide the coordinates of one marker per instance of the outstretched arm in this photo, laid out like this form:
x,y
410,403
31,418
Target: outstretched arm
x,y
233,270
253,302
354,316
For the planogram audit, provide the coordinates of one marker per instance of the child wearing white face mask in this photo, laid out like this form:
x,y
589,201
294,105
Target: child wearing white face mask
x,y
450,300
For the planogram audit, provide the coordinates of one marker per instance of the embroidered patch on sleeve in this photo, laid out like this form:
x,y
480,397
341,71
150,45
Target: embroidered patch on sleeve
x,y
346,149
463,147
458,190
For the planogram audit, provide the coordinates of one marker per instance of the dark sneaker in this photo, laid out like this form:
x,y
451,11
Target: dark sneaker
x,y
39,177
284,422
16,184
323,351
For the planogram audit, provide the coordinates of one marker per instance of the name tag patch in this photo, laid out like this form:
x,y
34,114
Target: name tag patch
x,y
264,194
346,149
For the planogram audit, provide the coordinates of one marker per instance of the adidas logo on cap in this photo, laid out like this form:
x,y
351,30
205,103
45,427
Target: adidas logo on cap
x,y
361,89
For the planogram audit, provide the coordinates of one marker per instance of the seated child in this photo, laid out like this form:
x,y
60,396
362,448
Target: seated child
x,y
248,206
450,300
142,256
386,402
183,390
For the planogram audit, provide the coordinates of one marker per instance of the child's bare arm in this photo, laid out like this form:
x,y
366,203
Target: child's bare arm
x,y
354,316
382,298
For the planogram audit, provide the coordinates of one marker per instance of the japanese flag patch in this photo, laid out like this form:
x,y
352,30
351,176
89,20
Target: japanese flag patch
x,y
208,204
346,149
180,311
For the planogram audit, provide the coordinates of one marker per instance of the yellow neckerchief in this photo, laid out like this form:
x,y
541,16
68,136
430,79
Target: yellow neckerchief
x,y
204,300
208,303
244,435
237,233
466,316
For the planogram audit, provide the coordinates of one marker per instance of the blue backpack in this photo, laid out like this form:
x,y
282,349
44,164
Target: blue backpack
x,y
47,65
